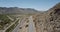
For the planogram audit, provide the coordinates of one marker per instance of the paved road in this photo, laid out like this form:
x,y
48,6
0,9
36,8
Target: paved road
x,y
31,25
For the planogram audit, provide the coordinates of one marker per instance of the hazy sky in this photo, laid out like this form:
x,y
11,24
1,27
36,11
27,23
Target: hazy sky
x,y
36,4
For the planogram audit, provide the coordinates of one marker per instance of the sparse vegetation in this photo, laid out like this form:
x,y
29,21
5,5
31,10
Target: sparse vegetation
x,y
12,27
4,21
47,21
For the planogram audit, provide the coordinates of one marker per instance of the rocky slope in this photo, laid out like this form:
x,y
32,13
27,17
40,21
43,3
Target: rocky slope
x,y
48,21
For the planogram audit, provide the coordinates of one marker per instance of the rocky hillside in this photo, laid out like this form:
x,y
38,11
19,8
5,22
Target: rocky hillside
x,y
16,10
48,21
53,19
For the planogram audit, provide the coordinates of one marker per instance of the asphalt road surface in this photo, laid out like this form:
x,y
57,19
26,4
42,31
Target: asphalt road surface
x,y
31,25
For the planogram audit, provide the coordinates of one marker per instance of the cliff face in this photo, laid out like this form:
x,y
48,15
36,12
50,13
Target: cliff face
x,y
49,21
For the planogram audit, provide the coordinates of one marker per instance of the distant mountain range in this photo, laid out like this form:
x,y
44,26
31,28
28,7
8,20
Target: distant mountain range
x,y
16,10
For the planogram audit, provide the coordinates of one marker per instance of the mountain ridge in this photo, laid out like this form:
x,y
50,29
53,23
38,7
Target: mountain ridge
x,y
16,10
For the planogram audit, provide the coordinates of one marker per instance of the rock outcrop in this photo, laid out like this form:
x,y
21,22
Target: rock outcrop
x,y
49,21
